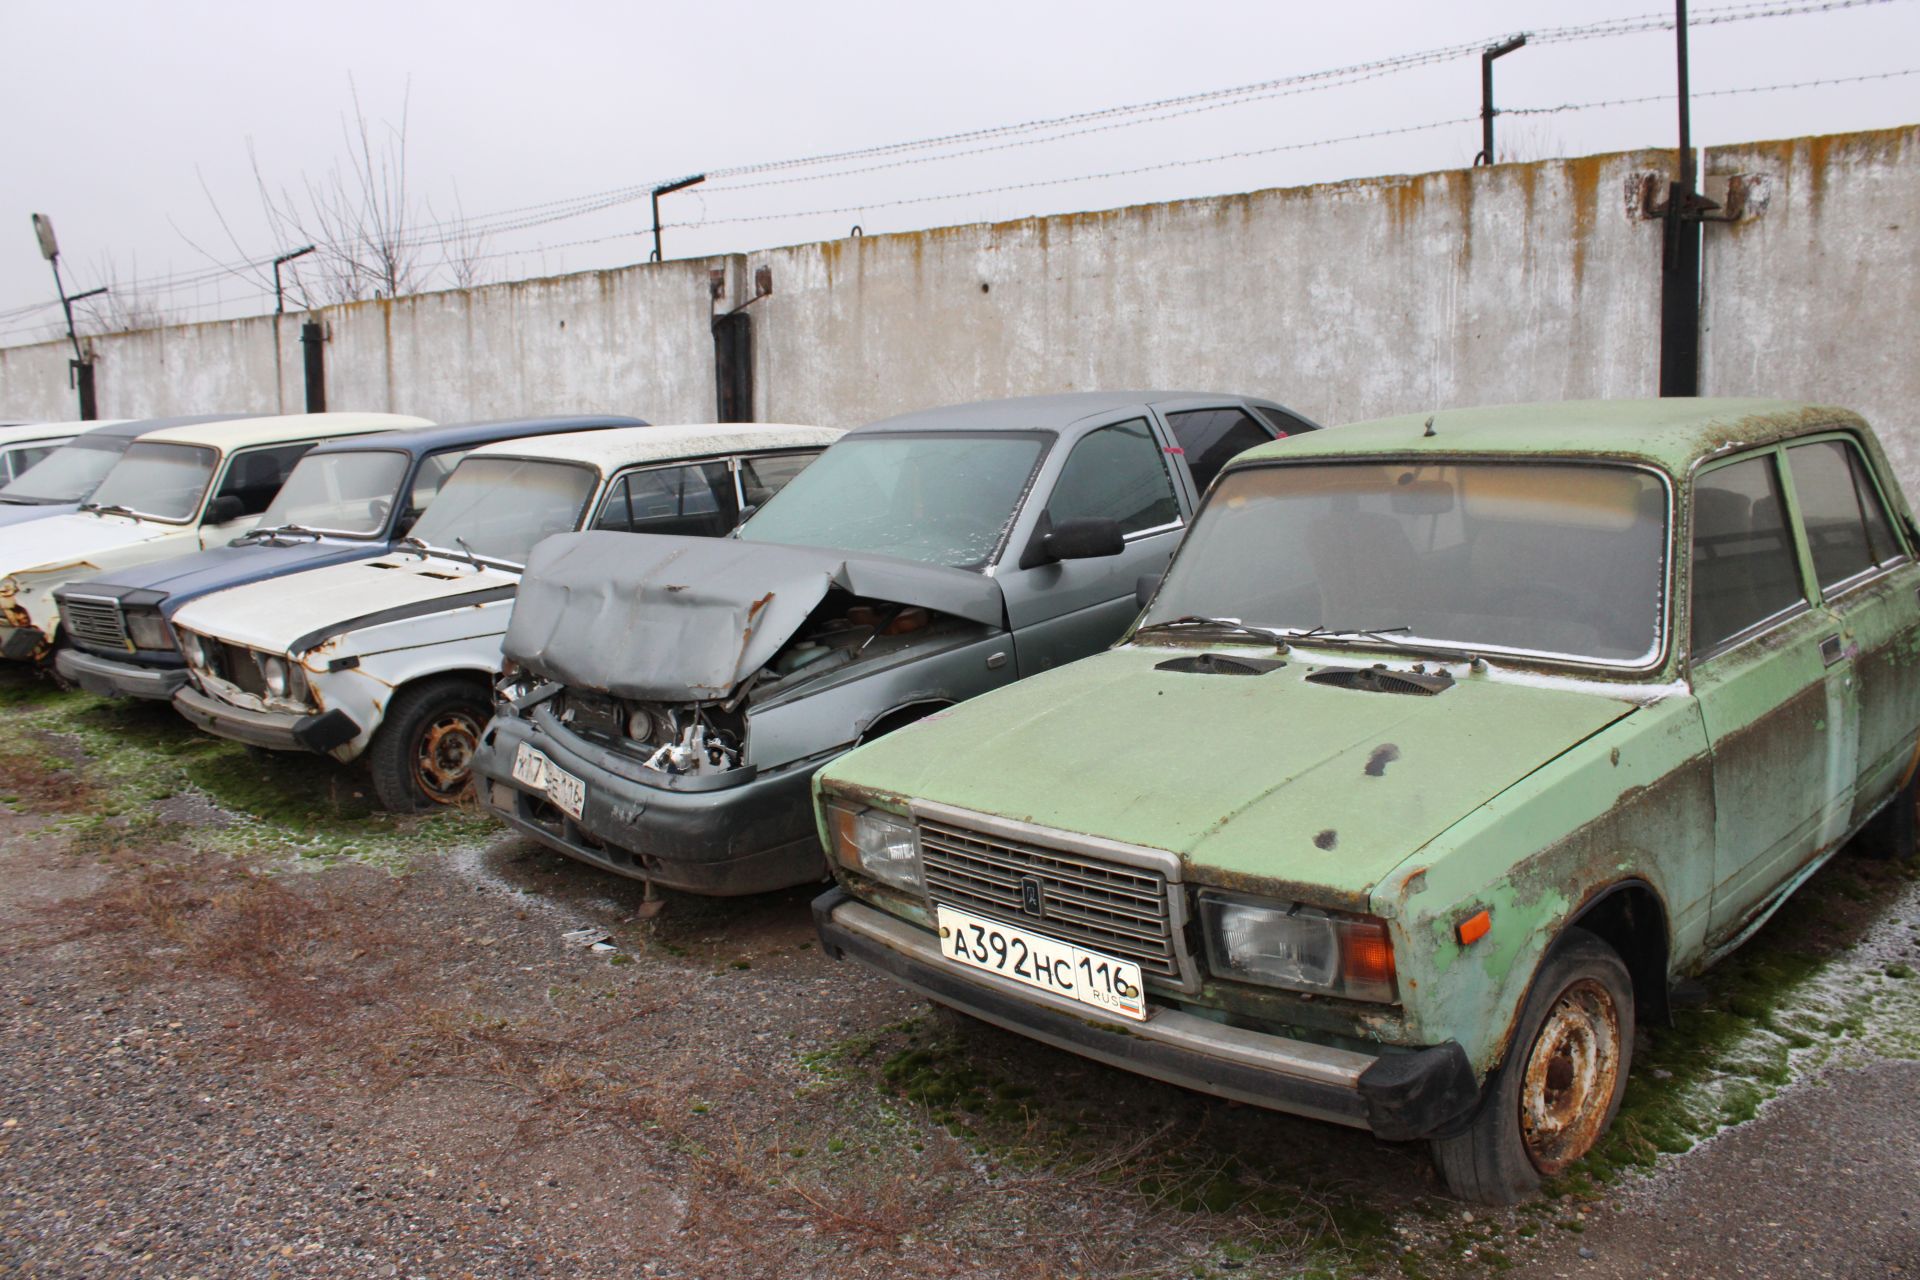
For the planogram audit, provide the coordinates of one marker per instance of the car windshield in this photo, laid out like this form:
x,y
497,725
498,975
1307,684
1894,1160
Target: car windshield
x,y
1555,560
68,474
344,493
943,498
500,507
164,481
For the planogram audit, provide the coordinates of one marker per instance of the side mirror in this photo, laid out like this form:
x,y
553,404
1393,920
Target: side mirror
x,y
1088,538
225,509
1144,587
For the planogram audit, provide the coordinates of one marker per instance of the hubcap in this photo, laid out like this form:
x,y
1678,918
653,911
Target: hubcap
x,y
443,761
1571,1073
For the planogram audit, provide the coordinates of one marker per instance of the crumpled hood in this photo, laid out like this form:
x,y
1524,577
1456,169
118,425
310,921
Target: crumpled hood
x,y
1265,776
274,614
666,618
12,513
65,540
187,577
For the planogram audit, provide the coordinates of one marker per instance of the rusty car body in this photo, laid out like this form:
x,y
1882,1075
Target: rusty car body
x,y
1446,745
668,701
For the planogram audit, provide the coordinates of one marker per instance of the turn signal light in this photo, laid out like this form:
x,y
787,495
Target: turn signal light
x,y
1474,927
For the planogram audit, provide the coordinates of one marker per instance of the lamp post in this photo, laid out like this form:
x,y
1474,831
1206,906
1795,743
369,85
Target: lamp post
x,y
80,368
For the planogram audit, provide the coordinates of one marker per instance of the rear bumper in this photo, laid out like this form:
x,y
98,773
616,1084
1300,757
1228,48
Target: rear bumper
x,y
1398,1097
112,679
273,730
753,837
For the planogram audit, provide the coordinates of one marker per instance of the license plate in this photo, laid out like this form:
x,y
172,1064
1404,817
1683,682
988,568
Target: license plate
x,y
1042,962
566,791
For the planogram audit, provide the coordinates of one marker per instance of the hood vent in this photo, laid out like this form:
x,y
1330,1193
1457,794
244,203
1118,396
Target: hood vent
x,y
1220,664
1378,679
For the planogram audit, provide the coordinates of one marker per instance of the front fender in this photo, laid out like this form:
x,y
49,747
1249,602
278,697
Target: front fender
x,y
1634,802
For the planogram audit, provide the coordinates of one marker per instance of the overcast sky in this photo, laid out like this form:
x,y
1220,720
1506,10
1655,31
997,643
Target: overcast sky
x,y
130,124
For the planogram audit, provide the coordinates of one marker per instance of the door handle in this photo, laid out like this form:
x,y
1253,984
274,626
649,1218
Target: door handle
x,y
1831,650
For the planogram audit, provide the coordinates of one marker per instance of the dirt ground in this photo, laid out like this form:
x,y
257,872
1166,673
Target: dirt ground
x,y
254,1029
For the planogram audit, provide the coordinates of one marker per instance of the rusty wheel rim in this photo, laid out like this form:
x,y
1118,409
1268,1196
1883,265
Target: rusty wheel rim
x,y
443,758
1572,1071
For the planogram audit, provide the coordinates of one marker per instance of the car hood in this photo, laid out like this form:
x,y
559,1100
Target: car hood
x,y
12,513
69,540
191,576
663,618
294,612
1263,782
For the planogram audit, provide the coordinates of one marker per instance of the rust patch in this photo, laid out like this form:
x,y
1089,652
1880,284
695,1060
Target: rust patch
x,y
1383,755
1326,839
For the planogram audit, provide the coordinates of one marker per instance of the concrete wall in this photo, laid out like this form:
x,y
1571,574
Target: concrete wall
x,y
1347,300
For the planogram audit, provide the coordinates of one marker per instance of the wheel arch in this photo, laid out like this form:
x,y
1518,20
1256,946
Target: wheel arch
x,y
1630,916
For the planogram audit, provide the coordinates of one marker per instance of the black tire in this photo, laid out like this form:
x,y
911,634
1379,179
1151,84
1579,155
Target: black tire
x,y
1563,1034
422,754
1892,833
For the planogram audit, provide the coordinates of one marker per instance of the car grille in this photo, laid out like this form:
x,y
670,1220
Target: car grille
x,y
1120,910
95,622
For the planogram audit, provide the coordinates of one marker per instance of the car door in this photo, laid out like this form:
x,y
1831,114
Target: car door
x,y
694,499
1773,686
1067,609
1867,581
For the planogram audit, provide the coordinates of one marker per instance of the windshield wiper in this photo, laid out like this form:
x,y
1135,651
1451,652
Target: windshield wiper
x,y
472,557
1199,622
297,530
1337,634
413,544
108,509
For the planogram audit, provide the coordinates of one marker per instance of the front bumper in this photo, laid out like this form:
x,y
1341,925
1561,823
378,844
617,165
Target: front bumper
x,y
274,730
1398,1097
753,837
111,679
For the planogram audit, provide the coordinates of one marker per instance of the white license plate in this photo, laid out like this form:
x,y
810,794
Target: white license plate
x,y
1042,962
566,791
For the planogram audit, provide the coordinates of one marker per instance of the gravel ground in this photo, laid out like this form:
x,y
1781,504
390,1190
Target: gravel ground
x,y
245,1066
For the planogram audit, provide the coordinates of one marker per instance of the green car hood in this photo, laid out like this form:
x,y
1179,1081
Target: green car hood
x,y
1267,783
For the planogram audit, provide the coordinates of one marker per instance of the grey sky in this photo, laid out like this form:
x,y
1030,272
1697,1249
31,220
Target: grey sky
x,y
118,112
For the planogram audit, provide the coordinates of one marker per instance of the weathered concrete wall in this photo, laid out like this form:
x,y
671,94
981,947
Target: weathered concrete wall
x,y
1818,296
1344,301
1515,282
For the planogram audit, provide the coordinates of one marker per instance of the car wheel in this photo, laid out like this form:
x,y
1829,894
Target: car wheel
x,y
1558,1089
422,754
1891,833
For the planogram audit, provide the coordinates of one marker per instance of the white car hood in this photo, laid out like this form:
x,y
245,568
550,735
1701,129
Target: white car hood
x,y
70,541
273,614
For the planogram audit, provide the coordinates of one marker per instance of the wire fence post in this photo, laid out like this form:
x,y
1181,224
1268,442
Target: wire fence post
x,y
1487,112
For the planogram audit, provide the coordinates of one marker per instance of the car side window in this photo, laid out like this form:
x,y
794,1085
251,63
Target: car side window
x,y
1210,438
433,472
1284,423
1847,528
1745,567
695,500
762,477
1117,472
257,474
20,459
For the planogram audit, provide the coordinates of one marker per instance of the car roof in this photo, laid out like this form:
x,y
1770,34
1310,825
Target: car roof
x,y
133,428
619,448
1052,412
240,433
472,434
21,432
1672,433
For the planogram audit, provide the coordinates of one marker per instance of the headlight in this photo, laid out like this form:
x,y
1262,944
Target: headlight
x,y
297,690
1298,947
194,650
640,725
148,630
273,673
877,843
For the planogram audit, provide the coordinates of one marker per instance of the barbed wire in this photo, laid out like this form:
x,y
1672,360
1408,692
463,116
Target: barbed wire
x,y
1707,93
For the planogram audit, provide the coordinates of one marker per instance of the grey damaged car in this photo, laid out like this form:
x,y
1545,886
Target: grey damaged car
x,y
666,700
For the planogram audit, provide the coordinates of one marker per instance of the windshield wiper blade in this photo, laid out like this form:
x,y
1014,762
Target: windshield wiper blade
x,y
1337,634
108,509
297,530
1199,622
413,544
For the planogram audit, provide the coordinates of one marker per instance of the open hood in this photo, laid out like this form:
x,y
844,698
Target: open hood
x,y
669,619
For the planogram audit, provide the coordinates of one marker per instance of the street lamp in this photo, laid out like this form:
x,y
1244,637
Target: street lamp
x,y
80,368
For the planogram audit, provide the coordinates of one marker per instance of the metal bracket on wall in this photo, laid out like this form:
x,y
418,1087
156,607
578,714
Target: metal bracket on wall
x,y
1654,199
